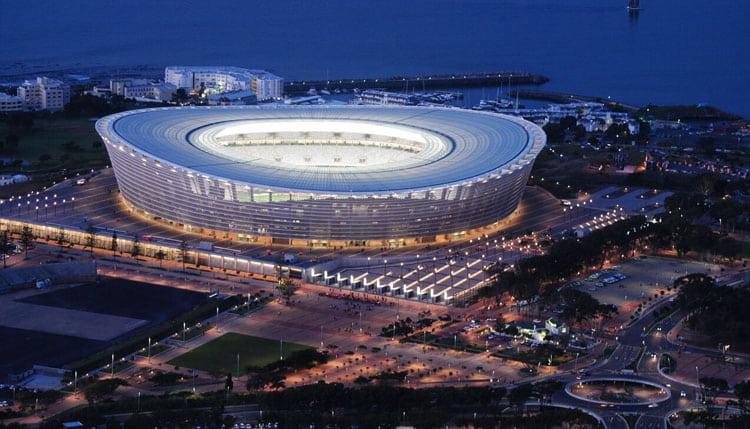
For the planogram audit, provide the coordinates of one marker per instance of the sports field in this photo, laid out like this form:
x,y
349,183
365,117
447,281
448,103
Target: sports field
x,y
220,355
36,342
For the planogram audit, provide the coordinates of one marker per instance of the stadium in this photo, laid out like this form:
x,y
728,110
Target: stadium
x,y
322,176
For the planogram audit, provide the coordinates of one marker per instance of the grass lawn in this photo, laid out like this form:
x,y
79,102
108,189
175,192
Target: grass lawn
x,y
220,355
69,143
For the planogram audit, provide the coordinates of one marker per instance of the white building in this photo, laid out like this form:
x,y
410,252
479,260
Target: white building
x,y
233,98
98,91
372,96
154,91
225,79
117,86
44,94
556,327
11,179
10,103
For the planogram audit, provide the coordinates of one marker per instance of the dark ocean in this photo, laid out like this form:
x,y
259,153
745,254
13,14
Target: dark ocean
x,y
670,52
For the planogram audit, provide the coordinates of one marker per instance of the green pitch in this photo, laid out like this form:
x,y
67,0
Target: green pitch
x,y
220,355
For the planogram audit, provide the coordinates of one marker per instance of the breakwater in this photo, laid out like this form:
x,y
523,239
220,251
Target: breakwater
x,y
418,83
559,97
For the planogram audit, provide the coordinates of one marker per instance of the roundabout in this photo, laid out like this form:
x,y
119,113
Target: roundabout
x,y
618,391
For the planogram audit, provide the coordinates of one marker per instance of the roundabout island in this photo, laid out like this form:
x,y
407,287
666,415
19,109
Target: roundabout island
x,y
618,391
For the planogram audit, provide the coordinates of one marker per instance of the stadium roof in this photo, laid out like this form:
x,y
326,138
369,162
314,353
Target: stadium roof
x,y
330,149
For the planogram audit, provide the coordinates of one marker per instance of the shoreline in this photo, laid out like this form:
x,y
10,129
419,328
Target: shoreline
x,y
16,73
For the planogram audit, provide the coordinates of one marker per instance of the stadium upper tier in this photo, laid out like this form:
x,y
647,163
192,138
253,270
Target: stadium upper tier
x,y
224,157
330,149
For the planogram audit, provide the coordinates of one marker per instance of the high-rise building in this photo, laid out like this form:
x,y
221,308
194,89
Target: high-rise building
x,y
44,94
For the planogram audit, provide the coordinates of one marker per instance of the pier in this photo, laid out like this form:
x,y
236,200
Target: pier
x,y
405,83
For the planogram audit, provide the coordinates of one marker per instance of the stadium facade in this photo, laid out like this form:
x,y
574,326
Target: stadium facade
x,y
322,176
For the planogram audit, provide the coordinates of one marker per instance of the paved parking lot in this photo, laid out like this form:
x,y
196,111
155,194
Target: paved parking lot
x,y
645,276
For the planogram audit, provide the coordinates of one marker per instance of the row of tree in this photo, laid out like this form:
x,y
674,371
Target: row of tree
x,y
719,312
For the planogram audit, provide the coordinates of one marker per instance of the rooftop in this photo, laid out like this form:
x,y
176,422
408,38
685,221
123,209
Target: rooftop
x,y
337,149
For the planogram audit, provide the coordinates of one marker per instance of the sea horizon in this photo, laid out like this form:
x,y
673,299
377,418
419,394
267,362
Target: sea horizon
x,y
666,53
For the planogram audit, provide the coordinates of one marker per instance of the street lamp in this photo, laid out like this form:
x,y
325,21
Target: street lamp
x,y
698,380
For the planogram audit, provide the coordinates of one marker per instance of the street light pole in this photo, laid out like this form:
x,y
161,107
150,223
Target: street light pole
x,y
698,380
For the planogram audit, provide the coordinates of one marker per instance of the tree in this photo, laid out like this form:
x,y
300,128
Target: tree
x,y
139,421
568,123
135,251
20,120
696,291
160,255
180,95
554,132
61,239
644,129
229,384
4,243
102,389
287,288
11,141
581,306
257,380
51,423
183,253
90,238
49,397
742,390
113,244
518,396
27,237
